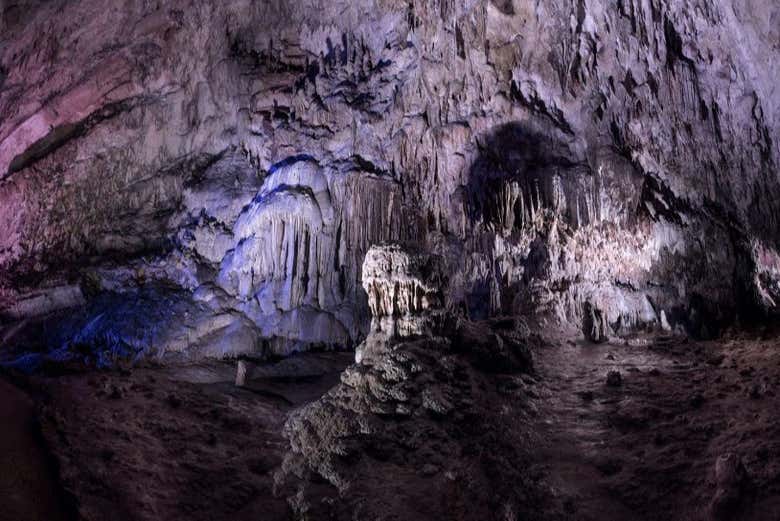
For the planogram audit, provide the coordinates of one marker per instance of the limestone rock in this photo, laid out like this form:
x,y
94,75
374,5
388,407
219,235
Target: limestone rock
x,y
294,250
551,155
594,324
401,283
730,480
413,406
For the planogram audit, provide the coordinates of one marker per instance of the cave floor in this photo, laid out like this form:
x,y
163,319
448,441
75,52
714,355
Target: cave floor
x,y
646,449
185,443
179,442
28,488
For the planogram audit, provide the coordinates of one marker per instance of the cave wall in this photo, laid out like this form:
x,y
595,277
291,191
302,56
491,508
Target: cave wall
x,y
560,156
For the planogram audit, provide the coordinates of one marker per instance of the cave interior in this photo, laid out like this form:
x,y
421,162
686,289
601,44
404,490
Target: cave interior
x,y
390,260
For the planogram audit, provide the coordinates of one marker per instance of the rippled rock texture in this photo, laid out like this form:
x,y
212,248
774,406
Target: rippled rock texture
x,y
567,160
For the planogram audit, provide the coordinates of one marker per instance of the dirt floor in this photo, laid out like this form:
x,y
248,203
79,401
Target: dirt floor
x,y
646,449
28,487
179,442
185,443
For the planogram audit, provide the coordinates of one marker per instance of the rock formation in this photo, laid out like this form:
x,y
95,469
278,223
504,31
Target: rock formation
x,y
430,183
407,406
583,155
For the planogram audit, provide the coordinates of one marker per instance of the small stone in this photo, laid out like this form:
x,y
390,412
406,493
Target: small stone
x,y
731,479
115,392
614,379
436,401
107,454
402,410
609,466
747,371
429,469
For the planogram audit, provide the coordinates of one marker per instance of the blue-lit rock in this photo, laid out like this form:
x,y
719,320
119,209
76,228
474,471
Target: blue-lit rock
x,y
292,268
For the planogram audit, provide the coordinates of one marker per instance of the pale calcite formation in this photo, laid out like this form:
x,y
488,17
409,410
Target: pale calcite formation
x,y
400,283
292,266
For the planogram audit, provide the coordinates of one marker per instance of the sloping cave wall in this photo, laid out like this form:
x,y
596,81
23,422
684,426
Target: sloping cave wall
x,y
612,163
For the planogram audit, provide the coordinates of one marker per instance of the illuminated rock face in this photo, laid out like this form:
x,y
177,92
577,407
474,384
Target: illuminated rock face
x,y
583,155
292,268
401,283
405,289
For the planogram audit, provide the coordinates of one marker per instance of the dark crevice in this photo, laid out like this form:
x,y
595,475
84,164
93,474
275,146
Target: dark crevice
x,y
61,135
674,46
505,6
658,200
535,104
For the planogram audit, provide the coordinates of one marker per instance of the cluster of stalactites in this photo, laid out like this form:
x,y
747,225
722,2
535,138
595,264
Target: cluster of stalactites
x,y
399,282
279,250
300,243
509,205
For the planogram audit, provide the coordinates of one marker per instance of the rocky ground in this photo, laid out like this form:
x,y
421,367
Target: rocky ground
x,y
28,485
688,431
183,443
648,446
430,427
